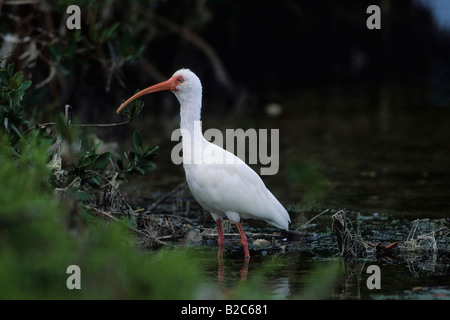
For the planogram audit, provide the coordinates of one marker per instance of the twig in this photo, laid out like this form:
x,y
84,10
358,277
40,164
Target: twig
x,y
96,125
134,230
112,218
252,235
116,191
168,216
115,124
219,69
170,236
151,69
304,225
20,2
157,202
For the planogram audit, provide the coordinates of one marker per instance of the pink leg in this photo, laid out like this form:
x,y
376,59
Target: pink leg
x,y
221,237
244,243
220,270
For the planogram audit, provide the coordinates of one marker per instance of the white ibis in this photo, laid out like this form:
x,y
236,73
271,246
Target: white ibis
x,y
226,188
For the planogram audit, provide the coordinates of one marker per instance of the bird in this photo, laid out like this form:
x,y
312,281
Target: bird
x,y
220,182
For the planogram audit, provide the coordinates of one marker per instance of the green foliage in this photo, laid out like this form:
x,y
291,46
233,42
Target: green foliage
x,y
112,269
132,109
319,284
30,232
29,186
89,174
36,249
12,90
90,161
100,38
138,162
83,164
36,246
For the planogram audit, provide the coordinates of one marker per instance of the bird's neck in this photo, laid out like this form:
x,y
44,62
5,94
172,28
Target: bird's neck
x,y
190,107
190,119
190,126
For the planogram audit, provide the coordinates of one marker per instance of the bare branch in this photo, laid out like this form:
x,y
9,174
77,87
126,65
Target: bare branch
x,y
94,125
157,202
219,69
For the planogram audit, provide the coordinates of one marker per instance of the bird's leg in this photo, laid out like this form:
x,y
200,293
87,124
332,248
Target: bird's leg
x,y
244,243
220,270
220,236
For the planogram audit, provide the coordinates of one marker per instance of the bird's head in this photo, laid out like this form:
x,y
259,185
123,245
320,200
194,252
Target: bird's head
x,y
183,83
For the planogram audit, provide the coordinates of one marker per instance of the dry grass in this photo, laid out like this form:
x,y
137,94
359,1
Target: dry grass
x,y
427,238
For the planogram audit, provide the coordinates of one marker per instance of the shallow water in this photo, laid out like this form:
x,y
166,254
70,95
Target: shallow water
x,y
378,154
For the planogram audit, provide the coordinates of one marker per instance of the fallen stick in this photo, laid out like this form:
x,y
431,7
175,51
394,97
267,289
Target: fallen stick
x,y
157,202
136,231
304,225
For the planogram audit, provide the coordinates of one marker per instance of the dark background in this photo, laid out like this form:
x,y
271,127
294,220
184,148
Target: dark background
x,y
259,51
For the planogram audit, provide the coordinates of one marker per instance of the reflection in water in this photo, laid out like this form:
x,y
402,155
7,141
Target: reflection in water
x,y
350,283
395,276
221,269
313,269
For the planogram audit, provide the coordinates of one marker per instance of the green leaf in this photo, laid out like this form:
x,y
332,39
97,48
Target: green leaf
x,y
109,34
137,171
101,161
147,166
4,78
25,85
16,130
14,152
82,196
132,157
10,69
137,141
119,162
150,153
84,163
13,83
133,108
96,146
95,181
18,76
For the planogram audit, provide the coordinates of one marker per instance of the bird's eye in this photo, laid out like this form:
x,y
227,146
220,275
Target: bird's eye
x,y
180,80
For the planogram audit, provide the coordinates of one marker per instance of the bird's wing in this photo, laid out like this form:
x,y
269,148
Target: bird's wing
x,y
224,183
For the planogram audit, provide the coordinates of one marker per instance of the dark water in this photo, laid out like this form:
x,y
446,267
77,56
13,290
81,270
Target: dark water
x,y
384,154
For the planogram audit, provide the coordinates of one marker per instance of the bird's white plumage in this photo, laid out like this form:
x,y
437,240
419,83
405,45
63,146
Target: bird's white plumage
x,y
223,187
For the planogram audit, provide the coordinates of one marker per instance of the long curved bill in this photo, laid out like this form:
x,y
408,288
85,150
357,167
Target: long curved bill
x,y
165,85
